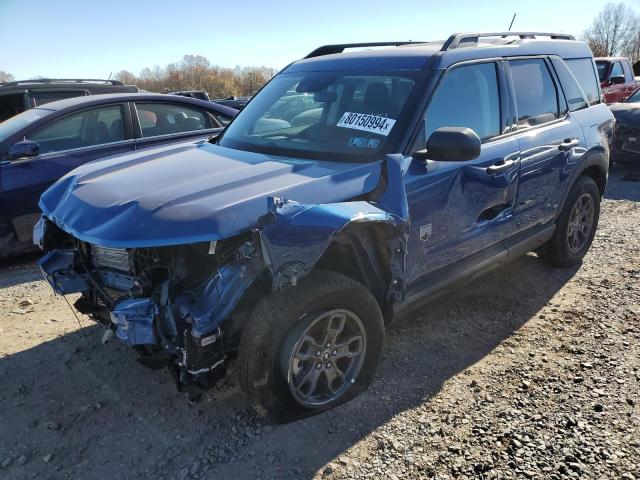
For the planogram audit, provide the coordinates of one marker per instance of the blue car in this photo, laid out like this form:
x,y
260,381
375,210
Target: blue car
x,y
42,144
293,238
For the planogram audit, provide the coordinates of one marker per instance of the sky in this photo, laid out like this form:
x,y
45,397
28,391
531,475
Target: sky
x,y
93,39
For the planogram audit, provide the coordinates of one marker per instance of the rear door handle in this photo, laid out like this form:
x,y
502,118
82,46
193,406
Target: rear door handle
x,y
568,144
500,167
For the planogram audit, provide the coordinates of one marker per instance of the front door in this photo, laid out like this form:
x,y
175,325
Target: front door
x,y
458,209
64,144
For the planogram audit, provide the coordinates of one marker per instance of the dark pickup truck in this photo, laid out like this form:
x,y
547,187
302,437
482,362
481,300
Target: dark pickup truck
x,y
616,78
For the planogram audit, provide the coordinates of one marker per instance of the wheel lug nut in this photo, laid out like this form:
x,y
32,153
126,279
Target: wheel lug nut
x,y
328,345
319,365
335,352
328,365
318,353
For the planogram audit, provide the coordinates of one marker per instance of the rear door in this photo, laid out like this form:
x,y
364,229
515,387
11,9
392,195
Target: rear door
x,y
459,209
65,143
157,123
550,140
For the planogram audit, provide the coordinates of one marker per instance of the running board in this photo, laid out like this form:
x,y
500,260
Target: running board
x,y
448,278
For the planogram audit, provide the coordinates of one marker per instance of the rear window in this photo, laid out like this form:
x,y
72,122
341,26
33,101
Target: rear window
x,y
11,105
582,69
40,98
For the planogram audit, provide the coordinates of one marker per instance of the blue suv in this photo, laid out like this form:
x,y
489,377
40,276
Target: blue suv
x,y
293,238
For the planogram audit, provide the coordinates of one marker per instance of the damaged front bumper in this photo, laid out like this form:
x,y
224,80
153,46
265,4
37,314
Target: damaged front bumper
x,y
148,300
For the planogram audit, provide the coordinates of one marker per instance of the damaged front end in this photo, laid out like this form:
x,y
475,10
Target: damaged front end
x,y
183,306
165,302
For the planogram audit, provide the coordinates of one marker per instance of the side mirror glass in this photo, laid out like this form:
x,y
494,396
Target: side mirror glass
x,y
617,80
451,144
24,149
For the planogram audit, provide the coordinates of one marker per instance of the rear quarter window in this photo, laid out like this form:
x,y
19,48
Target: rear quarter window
x,y
584,71
573,93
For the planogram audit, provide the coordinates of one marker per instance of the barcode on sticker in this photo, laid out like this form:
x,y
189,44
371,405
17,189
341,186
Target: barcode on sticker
x,y
366,123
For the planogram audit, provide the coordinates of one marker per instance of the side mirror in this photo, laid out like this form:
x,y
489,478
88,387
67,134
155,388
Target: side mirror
x,y
451,144
617,80
24,149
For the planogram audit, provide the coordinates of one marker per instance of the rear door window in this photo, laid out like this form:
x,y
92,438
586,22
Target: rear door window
x,y
91,127
166,119
536,94
585,74
467,96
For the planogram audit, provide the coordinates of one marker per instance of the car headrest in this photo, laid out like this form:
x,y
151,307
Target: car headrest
x,y
376,99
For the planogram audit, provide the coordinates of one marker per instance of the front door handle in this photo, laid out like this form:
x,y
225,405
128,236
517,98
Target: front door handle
x,y
568,144
500,167
4,162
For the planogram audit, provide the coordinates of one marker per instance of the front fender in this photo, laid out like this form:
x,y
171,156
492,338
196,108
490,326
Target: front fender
x,y
294,236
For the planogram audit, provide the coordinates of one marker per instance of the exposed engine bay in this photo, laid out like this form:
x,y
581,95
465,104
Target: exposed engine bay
x,y
152,298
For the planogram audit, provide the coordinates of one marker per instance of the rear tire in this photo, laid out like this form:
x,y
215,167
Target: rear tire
x,y
310,348
576,226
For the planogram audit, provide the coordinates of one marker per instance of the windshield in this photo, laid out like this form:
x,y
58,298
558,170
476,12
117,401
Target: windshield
x,y
602,70
322,115
15,124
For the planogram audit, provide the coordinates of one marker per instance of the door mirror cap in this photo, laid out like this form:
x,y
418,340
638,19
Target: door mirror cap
x,y
24,149
451,144
617,80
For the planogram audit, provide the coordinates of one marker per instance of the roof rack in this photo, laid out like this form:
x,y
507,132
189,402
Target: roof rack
x,y
460,39
64,80
339,48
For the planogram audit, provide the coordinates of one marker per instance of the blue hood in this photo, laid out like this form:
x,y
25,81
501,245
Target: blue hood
x,y
191,192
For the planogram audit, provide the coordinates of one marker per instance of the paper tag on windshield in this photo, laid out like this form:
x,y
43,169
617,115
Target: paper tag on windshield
x,y
366,123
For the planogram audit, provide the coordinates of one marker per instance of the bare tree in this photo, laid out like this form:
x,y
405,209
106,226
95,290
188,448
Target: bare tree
x,y
125,77
6,77
614,31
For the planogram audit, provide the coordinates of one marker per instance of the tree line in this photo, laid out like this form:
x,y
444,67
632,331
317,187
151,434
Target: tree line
x,y
195,72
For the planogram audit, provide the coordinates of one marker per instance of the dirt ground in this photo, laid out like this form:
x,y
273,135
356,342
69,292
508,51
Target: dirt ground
x,y
528,372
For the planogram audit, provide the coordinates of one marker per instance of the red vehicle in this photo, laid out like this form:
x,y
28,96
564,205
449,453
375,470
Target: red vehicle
x,y
616,78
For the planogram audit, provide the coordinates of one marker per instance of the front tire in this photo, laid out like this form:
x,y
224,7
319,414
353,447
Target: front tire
x,y
576,225
310,348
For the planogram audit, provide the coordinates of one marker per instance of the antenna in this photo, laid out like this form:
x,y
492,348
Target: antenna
x,y
511,24
111,73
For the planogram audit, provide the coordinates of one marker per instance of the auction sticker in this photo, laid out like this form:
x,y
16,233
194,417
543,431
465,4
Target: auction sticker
x,y
366,123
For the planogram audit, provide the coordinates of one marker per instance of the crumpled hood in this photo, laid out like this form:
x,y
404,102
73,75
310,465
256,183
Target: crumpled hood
x,y
191,192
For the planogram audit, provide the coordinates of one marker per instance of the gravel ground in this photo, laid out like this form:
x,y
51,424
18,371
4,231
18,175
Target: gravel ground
x,y
528,372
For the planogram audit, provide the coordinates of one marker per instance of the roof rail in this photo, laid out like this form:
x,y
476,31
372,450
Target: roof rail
x,y
64,80
458,39
339,48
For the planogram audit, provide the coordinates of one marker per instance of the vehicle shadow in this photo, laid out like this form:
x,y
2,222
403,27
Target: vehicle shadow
x,y
100,414
19,269
624,183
